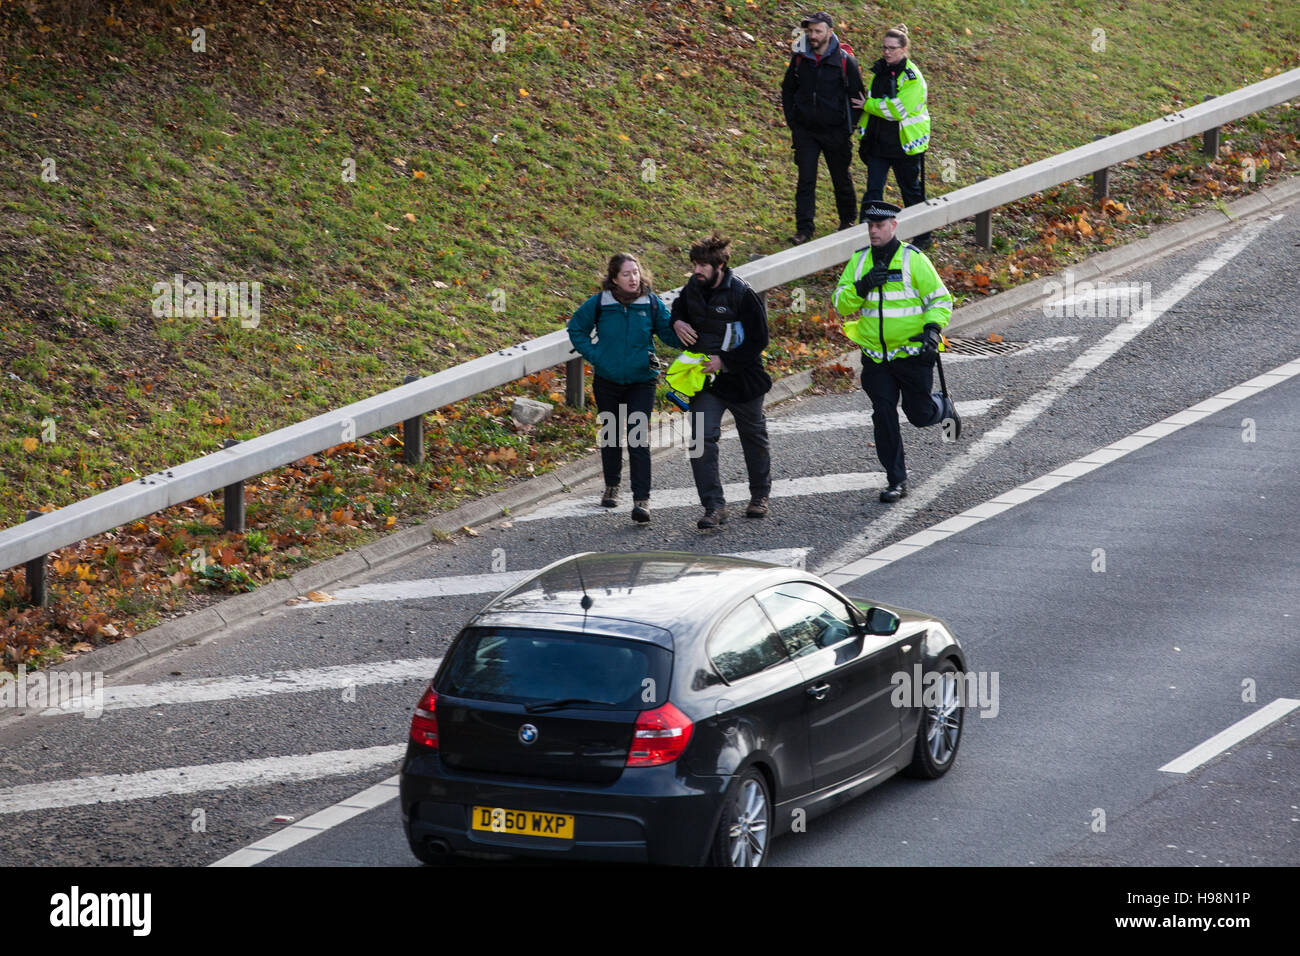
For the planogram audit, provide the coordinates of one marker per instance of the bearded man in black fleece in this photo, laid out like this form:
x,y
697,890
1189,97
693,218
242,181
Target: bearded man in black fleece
x,y
715,294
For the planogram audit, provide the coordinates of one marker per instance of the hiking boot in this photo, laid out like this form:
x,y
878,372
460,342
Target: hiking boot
x,y
799,238
641,510
757,507
713,518
847,224
610,498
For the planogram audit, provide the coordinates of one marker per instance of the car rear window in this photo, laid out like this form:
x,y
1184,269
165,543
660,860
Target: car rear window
x,y
531,666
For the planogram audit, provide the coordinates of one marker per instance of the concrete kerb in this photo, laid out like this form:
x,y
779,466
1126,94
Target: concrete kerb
x,y
235,610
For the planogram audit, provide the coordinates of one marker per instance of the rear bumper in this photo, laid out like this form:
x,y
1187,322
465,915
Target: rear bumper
x,y
649,815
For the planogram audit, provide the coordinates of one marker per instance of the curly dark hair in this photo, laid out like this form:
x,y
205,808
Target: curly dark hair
x,y
714,250
615,266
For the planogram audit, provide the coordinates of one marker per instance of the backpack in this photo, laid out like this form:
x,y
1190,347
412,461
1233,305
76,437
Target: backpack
x,y
846,51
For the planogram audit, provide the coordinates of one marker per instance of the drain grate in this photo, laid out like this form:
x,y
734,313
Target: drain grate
x,y
963,346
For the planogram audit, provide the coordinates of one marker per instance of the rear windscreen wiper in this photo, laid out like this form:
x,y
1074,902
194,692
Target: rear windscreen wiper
x,y
564,702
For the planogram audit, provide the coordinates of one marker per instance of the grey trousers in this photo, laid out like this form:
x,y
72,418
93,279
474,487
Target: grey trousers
x,y
751,426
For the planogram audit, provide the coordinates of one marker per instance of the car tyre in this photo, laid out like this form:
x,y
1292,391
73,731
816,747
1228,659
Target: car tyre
x,y
744,833
939,733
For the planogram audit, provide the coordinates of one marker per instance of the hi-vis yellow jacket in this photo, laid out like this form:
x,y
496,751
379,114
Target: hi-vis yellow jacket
x,y
907,109
883,324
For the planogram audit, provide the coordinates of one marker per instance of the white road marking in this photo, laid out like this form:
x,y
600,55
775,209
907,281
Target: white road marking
x,y
313,825
113,788
1031,489
1057,343
492,583
207,689
859,418
1074,373
1204,753
735,491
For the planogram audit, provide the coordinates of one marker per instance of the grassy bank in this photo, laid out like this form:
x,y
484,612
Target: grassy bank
x,y
414,187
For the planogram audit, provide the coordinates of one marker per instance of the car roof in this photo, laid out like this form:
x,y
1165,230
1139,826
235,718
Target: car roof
x,y
673,591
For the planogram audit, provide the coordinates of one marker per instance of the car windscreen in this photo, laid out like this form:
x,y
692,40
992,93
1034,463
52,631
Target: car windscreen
x,y
534,666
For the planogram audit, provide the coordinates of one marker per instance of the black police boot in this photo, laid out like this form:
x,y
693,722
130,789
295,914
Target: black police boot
x,y
894,492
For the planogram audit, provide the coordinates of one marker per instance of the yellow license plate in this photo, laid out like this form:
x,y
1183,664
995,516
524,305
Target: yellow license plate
x,y
558,826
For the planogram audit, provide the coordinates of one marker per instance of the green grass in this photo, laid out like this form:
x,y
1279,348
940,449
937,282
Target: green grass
x,y
218,167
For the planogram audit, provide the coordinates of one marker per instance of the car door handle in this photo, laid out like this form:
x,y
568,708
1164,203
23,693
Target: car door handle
x,y
819,691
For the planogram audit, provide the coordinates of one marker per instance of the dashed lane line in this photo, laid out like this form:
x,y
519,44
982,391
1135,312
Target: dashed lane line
x,y
1201,754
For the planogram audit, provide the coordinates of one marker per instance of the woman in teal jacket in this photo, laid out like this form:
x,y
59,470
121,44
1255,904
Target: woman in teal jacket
x,y
614,330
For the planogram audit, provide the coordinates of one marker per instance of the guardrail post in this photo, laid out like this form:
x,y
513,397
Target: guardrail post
x,y
232,499
1210,140
575,391
1100,179
413,433
984,225
36,593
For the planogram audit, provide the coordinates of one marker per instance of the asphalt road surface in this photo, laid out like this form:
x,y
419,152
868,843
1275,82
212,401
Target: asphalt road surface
x,y
1130,614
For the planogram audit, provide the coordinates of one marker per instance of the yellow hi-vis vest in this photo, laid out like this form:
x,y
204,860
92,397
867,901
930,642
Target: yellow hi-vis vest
x,y
686,375
907,109
913,297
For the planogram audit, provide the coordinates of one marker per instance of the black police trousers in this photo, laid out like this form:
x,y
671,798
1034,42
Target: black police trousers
x,y
884,382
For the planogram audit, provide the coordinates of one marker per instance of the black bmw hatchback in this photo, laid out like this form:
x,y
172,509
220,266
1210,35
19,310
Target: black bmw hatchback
x,y
669,708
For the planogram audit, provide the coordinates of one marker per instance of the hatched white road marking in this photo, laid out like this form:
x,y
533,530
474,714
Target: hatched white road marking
x,y
206,689
1203,753
1056,344
735,491
859,418
492,583
865,543
117,787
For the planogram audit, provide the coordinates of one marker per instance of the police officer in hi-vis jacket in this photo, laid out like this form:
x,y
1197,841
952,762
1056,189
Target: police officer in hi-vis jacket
x,y
896,305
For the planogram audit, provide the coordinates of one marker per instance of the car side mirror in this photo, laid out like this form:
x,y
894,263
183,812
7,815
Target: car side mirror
x,y
881,621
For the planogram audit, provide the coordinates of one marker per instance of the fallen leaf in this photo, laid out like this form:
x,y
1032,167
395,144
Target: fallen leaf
x,y
30,443
319,597
409,217
469,531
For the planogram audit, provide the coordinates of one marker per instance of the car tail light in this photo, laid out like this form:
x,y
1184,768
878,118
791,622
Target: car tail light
x,y
660,737
424,725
